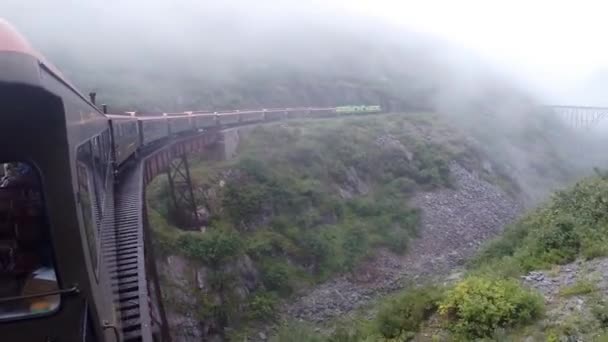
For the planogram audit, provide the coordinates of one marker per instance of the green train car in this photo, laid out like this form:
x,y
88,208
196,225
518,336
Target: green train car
x,y
358,109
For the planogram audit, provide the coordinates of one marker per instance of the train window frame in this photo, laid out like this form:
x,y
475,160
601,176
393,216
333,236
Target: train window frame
x,y
94,218
58,291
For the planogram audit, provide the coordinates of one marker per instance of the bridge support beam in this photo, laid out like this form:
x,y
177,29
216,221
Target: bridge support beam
x,y
182,193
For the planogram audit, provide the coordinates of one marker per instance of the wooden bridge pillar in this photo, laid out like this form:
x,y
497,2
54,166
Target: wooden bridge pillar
x,y
182,193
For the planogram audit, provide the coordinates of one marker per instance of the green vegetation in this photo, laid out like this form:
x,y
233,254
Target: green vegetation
x,y
262,306
212,248
297,332
581,287
600,312
477,306
310,199
401,316
490,302
573,224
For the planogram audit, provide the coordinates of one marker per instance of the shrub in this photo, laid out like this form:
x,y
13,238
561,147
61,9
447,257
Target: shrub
x,y
477,306
165,236
355,245
403,184
595,249
398,240
600,312
275,276
262,306
212,247
266,243
560,243
402,316
505,245
318,247
579,288
243,202
296,332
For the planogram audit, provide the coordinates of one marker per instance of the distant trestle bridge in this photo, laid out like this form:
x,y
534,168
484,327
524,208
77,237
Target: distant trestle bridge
x,y
580,116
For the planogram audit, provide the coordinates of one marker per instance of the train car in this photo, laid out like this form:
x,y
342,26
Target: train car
x,y
358,109
205,120
297,113
152,129
229,118
179,124
322,112
252,116
374,109
274,114
56,158
125,136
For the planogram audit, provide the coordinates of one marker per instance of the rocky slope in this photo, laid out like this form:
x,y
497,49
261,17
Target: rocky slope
x,y
455,222
575,298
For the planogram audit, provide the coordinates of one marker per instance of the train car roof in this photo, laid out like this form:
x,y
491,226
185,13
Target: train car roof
x,y
11,41
120,117
160,117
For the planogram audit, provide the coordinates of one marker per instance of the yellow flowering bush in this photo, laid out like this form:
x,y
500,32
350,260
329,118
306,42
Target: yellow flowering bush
x,y
477,306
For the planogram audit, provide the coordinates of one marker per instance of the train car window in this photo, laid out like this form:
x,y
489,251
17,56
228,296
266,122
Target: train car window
x,y
131,130
27,268
87,199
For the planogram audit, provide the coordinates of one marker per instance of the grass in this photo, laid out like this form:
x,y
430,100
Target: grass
x,y
573,224
581,287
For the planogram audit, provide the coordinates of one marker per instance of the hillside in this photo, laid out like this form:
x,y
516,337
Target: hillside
x,y
356,206
543,279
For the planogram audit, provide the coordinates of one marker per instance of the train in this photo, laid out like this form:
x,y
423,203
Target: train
x,y
358,109
135,131
60,157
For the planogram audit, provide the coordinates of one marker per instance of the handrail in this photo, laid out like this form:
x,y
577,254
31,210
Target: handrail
x,y
73,289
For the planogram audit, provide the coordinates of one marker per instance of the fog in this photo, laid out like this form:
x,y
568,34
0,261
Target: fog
x,y
182,54
486,66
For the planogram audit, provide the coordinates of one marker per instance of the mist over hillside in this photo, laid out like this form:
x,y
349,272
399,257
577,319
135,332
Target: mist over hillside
x,y
183,55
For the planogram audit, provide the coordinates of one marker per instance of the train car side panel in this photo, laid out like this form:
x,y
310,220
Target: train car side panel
x,y
126,135
252,116
205,120
179,124
153,129
229,119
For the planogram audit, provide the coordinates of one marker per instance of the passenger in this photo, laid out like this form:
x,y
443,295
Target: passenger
x,y
7,256
17,174
10,174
